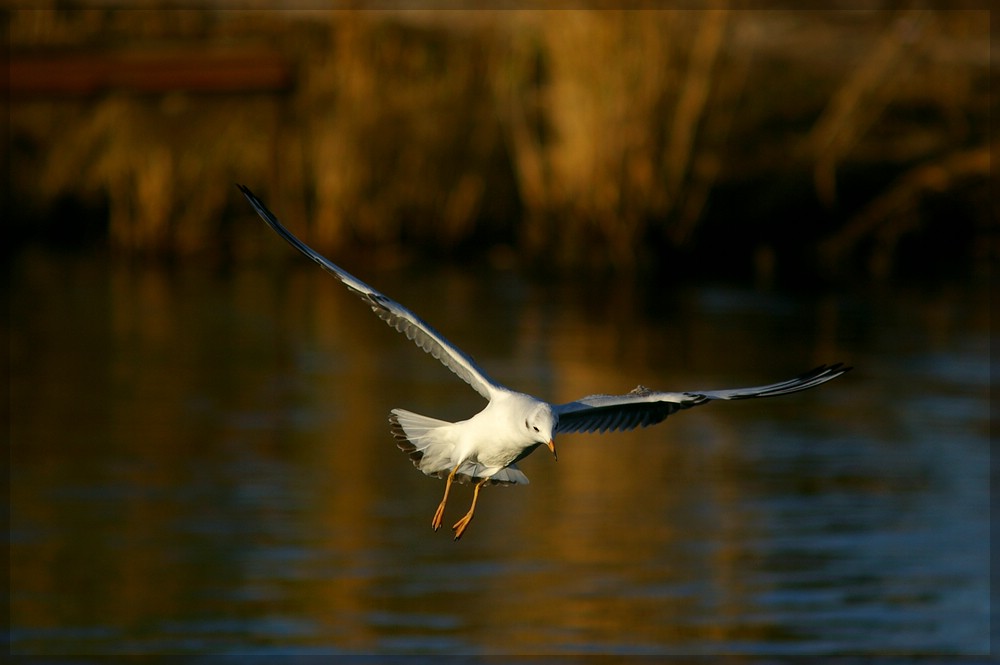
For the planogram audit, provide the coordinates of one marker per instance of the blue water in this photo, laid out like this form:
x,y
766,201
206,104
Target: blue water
x,y
201,463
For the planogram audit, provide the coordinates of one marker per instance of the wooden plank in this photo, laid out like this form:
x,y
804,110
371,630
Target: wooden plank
x,y
76,74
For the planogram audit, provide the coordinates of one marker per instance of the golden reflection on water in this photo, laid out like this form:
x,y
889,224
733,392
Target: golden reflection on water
x,y
201,462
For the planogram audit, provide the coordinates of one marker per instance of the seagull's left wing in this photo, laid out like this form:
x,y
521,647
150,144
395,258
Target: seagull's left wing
x,y
643,406
390,311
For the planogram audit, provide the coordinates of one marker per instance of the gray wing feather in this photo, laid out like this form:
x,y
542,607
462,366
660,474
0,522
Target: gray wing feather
x,y
643,407
390,311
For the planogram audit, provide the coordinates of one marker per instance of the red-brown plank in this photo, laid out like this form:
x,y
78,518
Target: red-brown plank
x,y
79,73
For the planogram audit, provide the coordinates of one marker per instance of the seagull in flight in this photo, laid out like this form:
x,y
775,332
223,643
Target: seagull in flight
x,y
485,449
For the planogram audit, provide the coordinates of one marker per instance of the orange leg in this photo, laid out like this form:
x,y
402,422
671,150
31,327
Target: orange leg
x,y
460,525
436,522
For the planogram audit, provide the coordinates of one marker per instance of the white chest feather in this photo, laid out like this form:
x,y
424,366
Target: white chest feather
x,y
498,434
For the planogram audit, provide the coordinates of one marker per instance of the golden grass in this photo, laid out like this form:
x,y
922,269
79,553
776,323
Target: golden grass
x,y
573,135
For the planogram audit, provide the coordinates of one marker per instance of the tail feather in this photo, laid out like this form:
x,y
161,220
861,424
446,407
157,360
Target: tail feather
x,y
428,443
421,438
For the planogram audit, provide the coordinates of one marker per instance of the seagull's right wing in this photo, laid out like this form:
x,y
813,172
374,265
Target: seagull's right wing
x,y
389,310
643,406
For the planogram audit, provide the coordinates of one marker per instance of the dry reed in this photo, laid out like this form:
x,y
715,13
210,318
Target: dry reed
x,y
575,135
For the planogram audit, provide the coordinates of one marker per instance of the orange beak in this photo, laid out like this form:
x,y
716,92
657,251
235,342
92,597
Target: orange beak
x,y
552,446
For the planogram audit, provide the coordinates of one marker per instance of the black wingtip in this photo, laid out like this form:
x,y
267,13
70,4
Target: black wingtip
x,y
828,372
839,368
836,369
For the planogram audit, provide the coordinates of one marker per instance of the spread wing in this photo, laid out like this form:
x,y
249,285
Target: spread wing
x,y
643,406
390,311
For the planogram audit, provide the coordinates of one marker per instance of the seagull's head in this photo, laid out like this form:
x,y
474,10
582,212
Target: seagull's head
x,y
540,424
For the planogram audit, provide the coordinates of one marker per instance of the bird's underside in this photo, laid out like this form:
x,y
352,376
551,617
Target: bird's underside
x,y
468,451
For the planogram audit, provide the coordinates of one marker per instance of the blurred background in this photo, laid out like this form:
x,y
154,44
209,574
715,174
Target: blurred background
x,y
740,142
583,200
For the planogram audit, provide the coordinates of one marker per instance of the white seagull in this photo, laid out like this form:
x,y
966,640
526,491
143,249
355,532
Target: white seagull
x,y
485,449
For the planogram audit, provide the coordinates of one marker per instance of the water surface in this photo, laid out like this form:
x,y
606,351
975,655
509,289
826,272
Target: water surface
x,y
201,463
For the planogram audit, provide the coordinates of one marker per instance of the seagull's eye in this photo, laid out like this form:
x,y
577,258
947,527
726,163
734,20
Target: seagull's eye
x,y
536,429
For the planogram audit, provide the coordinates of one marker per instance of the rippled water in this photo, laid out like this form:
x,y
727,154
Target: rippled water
x,y
201,463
